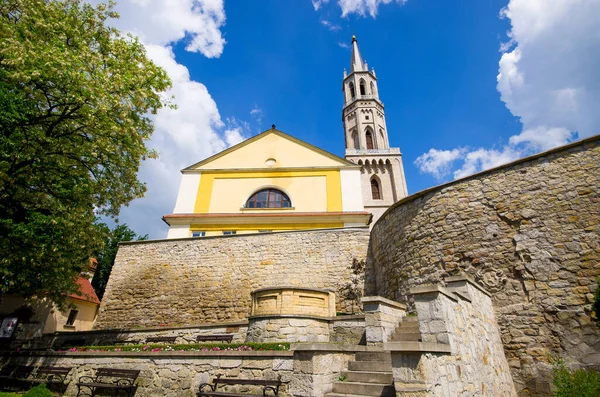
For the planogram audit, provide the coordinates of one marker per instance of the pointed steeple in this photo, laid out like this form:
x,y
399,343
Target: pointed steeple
x,y
356,64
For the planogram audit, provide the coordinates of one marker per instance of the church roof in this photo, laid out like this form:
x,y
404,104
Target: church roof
x,y
356,63
339,160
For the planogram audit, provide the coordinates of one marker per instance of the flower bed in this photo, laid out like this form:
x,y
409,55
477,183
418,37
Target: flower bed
x,y
200,347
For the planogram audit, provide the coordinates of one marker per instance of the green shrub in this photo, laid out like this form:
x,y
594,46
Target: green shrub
x,y
38,391
9,394
579,383
187,347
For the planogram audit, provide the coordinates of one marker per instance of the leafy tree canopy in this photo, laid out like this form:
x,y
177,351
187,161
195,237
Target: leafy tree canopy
x,y
106,256
75,100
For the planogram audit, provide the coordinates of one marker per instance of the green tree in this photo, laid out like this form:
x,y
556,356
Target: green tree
x,y
106,256
75,100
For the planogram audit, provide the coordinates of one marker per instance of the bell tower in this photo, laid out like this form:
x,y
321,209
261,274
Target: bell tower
x,y
367,144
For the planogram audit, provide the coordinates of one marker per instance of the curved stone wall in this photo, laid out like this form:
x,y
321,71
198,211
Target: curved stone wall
x,y
528,231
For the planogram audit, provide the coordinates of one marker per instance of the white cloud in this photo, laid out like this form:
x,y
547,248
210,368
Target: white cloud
x,y
438,162
547,77
192,131
331,26
318,3
343,45
257,113
162,22
363,7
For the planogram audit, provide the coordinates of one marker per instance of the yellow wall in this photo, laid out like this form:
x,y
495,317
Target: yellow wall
x,y
309,191
54,320
84,322
286,152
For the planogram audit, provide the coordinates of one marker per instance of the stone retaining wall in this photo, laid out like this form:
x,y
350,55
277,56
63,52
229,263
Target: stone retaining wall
x,y
529,232
139,335
210,279
169,374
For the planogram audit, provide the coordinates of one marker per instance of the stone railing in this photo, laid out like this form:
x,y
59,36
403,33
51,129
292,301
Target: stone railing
x,y
361,152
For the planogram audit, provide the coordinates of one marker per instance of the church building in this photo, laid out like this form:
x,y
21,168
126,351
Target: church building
x,y
276,182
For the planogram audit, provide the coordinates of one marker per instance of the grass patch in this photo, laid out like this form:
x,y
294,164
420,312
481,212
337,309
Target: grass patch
x,y
151,347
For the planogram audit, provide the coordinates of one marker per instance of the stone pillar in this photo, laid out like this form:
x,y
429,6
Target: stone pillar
x,y
432,303
382,316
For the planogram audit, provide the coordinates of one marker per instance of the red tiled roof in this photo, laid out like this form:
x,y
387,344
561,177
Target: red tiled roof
x,y
87,291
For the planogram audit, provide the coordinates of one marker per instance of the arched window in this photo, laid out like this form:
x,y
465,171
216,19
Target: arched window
x,y
373,90
363,88
355,140
369,137
269,198
352,93
375,191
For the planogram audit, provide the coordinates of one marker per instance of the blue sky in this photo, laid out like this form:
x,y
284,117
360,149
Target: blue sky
x,y
467,85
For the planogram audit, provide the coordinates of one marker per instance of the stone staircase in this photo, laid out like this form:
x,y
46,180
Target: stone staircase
x,y
407,331
370,374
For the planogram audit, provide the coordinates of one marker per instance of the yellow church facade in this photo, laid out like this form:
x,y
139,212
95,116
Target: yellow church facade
x,y
270,182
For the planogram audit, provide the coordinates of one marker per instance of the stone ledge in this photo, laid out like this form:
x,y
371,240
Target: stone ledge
x,y
332,347
470,280
424,347
385,301
160,354
308,317
328,290
153,329
171,240
428,289
349,317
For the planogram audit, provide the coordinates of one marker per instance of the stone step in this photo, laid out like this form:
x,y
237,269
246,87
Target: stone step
x,y
408,326
343,395
365,389
369,377
373,356
406,336
369,366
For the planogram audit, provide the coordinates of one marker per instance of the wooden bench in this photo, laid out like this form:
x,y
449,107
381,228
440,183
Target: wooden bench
x,y
15,376
72,343
268,386
25,375
113,379
128,342
161,339
218,337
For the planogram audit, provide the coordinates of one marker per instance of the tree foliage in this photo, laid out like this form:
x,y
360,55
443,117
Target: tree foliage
x,y
106,256
75,100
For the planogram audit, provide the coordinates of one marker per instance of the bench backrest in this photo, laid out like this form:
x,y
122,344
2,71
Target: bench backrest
x,y
118,373
58,371
73,342
227,337
16,371
256,382
161,339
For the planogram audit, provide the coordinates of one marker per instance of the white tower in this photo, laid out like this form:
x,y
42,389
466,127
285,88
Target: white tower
x,y
367,144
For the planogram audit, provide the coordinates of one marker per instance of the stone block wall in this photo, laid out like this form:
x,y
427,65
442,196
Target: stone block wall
x,y
171,375
462,316
529,232
382,316
199,280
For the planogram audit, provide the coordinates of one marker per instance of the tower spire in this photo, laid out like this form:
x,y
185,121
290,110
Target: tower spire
x,y
356,63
